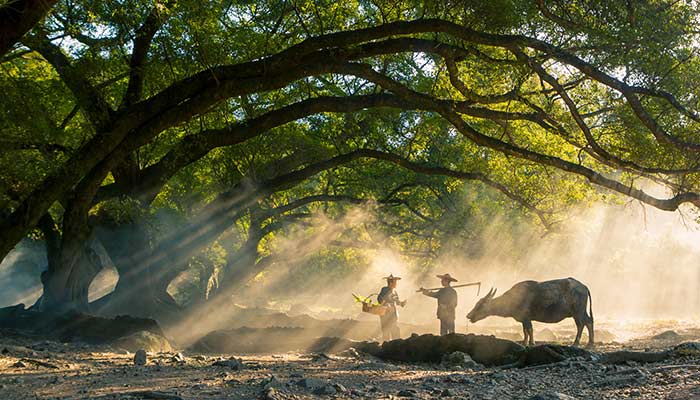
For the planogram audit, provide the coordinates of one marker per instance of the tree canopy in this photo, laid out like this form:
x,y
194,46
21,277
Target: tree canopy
x,y
185,137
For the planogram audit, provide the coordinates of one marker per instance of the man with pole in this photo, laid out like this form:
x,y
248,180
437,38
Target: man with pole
x,y
447,302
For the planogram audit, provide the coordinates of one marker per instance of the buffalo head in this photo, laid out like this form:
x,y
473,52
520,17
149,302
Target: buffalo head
x,y
481,309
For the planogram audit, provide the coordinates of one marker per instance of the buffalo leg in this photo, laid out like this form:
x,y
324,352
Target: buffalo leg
x,y
529,336
589,327
579,330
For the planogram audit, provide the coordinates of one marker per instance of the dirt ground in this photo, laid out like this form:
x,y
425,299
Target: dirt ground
x,y
40,369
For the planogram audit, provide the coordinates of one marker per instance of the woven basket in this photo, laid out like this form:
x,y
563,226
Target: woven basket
x,y
374,309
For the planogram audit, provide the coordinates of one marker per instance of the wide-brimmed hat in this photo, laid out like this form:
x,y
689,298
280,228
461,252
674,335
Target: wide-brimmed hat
x,y
391,277
448,277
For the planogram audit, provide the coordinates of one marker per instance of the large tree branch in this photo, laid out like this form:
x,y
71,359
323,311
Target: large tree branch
x,y
142,42
130,131
91,102
451,114
151,179
18,17
565,23
601,154
194,147
140,123
504,41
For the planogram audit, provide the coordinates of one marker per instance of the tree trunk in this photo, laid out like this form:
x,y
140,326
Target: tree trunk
x,y
67,283
73,263
139,292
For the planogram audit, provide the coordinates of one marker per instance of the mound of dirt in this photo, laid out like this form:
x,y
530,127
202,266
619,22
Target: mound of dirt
x,y
667,336
487,350
263,318
143,340
546,335
253,340
74,326
299,309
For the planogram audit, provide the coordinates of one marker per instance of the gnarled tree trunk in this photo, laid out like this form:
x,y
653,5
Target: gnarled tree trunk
x,y
67,281
139,291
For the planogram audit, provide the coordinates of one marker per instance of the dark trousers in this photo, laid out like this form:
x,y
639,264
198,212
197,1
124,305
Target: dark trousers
x,y
447,326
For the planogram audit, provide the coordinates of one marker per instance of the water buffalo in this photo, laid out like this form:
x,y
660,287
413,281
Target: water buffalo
x,y
549,301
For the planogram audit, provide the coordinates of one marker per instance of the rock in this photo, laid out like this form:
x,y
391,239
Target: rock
x,y
234,363
407,393
498,375
311,383
667,335
232,382
328,390
17,351
625,377
552,396
270,394
447,393
465,381
140,357
316,357
340,388
273,383
19,364
178,358
458,359
430,388
375,366
687,349
146,340
351,353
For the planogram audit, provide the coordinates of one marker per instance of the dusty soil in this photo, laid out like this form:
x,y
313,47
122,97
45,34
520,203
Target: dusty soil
x,y
40,369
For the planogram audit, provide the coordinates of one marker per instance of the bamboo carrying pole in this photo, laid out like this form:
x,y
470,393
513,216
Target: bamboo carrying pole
x,y
457,286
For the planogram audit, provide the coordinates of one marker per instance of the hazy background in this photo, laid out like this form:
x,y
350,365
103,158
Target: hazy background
x,y
639,263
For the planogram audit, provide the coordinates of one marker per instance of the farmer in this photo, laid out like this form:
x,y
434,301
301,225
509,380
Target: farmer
x,y
447,302
389,298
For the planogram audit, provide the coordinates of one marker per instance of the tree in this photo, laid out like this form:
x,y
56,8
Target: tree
x,y
577,92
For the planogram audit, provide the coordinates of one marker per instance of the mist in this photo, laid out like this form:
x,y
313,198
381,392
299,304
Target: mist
x,y
20,273
641,264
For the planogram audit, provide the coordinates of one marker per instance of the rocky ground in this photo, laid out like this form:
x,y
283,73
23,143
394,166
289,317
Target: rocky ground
x,y
40,369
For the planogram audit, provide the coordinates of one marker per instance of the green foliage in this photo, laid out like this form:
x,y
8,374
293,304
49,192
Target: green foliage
x,y
642,43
